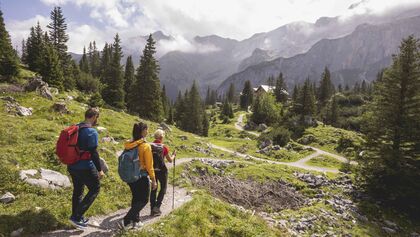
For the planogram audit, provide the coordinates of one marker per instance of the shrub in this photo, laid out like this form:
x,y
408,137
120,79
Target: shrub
x,y
87,83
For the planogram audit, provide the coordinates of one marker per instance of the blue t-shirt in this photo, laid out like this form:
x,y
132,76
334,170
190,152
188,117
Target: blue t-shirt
x,y
87,140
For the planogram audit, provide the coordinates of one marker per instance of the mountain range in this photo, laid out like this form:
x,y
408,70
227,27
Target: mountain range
x,y
354,48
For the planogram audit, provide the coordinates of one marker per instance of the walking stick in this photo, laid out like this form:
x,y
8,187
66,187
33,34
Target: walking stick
x,y
173,187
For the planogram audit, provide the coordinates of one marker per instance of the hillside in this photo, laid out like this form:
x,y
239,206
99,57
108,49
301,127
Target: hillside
x,y
353,58
28,143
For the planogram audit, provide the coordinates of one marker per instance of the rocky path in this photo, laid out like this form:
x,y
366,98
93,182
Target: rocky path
x,y
107,225
300,163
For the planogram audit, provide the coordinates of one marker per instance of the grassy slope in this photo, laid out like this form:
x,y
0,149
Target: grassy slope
x,y
29,143
206,216
325,161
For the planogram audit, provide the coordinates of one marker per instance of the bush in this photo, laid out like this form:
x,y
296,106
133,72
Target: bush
x,y
96,100
265,110
279,135
87,83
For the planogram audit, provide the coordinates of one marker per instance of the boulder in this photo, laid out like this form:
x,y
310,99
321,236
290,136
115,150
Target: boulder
x,y
183,137
60,107
34,84
17,233
23,111
104,165
262,127
165,127
109,139
45,178
55,178
389,230
7,198
266,143
101,129
250,125
45,92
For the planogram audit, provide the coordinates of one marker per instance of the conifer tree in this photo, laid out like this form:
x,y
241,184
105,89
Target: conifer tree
x,y
105,62
94,60
391,164
205,131
58,35
326,88
194,111
165,102
34,47
247,96
280,90
8,57
128,79
146,95
83,63
306,101
50,69
113,93
231,94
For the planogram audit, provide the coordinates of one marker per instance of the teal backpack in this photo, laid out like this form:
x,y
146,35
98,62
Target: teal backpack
x,y
129,166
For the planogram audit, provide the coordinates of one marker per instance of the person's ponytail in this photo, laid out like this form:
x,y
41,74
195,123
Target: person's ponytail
x,y
137,130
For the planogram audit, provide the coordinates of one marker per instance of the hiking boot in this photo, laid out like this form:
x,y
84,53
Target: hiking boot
x,y
137,225
156,211
85,220
125,225
79,224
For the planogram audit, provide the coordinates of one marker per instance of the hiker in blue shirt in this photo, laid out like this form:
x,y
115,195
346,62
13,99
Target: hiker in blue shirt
x,y
87,171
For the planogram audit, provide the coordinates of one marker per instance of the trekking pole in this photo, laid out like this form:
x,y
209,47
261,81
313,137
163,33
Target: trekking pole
x,y
173,187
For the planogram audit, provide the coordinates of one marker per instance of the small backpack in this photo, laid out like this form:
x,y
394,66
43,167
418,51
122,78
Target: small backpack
x,y
158,159
129,166
66,149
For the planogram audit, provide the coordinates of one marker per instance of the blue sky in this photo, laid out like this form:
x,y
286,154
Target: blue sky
x,y
100,20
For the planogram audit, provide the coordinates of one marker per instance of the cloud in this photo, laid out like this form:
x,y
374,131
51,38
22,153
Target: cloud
x,y
19,30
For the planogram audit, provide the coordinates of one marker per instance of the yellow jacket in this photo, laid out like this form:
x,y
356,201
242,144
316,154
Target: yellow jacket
x,y
145,155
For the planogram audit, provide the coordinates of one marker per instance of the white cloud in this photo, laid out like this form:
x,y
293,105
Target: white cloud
x,y
184,19
19,30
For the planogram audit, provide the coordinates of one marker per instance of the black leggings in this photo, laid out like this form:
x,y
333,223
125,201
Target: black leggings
x,y
81,178
162,179
140,191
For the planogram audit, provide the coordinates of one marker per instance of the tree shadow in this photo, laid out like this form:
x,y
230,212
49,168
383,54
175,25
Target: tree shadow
x,y
31,221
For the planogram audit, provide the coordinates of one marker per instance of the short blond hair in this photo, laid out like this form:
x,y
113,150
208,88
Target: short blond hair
x,y
159,134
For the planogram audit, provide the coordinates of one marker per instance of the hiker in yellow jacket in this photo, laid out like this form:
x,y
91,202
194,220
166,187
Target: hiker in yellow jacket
x,y
140,189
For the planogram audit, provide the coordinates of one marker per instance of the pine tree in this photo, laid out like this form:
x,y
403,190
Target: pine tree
x,y
128,79
170,118
105,62
58,35
227,110
24,52
206,125
113,93
8,58
270,81
390,167
51,70
247,96
213,97
83,63
231,94
94,60
306,101
332,114
195,111
165,102
326,88
146,94
280,91
34,47
207,101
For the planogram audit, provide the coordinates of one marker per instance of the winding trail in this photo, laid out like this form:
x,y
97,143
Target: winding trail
x,y
300,163
107,225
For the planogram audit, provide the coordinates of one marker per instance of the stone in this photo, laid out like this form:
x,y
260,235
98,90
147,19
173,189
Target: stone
x,y
101,129
34,84
262,127
45,92
48,178
104,165
7,198
9,98
55,178
389,230
60,107
38,182
391,224
166,127
276,147
109,139
183,137
69,98
414,234
17,232
24,174
23,111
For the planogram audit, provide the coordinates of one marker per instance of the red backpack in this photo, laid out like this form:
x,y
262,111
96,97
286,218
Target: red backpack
x,y
67,150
